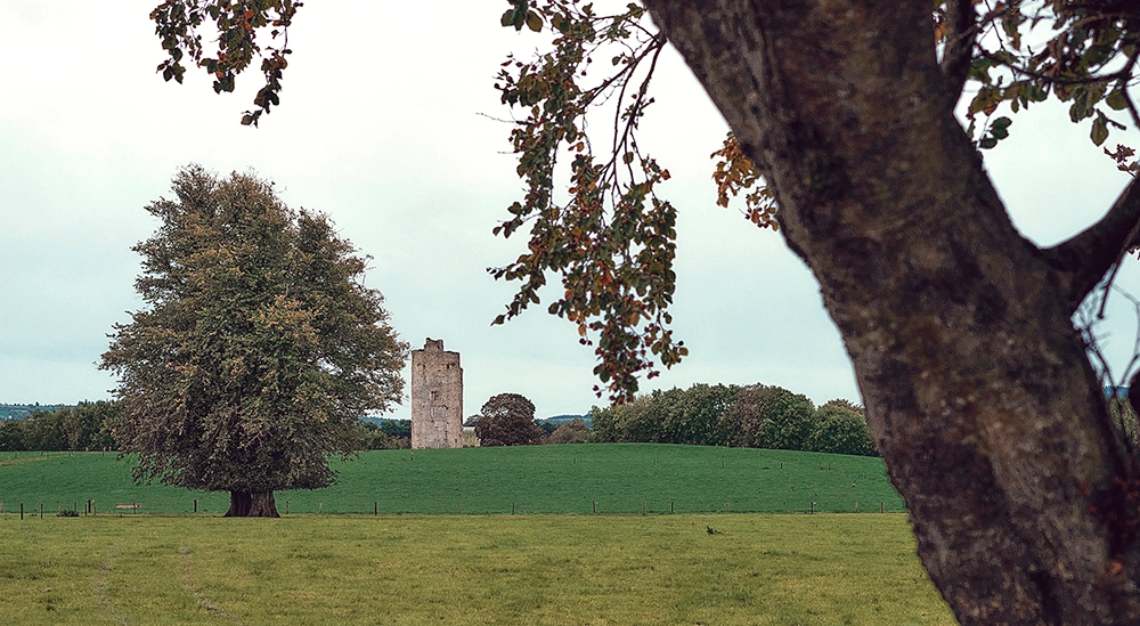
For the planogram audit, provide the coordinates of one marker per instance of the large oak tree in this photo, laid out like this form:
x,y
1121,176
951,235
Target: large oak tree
x,y
1023,493
259,350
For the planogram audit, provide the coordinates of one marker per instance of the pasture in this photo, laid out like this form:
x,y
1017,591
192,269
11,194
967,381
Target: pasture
x,y
406,570
581,478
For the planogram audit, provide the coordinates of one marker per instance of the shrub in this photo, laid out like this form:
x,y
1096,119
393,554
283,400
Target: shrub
x,y
399,429
574,431
373,437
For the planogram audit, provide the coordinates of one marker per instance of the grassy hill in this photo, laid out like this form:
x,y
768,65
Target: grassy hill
x,y
621,478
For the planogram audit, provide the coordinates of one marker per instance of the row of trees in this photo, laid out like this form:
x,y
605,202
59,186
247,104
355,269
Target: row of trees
x,y
88,427
754,416
82,427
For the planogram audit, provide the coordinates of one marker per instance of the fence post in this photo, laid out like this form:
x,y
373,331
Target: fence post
x,y
21,511
595,505
813,506
41,510
512,508
670,506
195,505
880,506
286,507
375,508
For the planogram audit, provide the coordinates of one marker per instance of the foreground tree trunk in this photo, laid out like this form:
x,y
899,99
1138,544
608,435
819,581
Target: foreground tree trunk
x,y
977,386
252,504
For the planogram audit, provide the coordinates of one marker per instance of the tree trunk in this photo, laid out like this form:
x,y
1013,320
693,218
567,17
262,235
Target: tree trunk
x,y
978,390
252,504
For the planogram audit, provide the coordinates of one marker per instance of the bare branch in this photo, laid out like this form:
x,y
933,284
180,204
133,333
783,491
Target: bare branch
x,y
1084,259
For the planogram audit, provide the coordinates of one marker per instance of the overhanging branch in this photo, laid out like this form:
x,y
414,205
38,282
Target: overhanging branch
x,y
1084,259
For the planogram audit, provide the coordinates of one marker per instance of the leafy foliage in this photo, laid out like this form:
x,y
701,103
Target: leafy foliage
x,y
85,426
507,419
574,431
238,24
259,349
610,235
763,416
754,416
840,428
12,437
373,437
1028,51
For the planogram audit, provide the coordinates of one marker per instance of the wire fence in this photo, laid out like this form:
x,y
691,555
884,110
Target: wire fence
x,y
90,507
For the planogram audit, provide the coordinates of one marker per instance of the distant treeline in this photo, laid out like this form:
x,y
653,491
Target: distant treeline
x,y
385,434
82,427
22,411
87,427
754,416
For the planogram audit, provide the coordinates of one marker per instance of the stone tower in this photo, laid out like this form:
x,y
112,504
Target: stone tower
x,y
437,397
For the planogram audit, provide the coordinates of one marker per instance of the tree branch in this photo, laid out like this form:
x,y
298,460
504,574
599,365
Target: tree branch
x,y
959,50
1084,259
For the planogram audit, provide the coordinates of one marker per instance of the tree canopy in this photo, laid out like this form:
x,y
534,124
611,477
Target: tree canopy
x,y
259,349
507,419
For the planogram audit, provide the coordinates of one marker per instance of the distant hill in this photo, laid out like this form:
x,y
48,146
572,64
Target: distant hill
x,y
16,412
562,419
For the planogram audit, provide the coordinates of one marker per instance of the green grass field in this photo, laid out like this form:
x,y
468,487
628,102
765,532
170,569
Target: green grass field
x,y
539,569
621,478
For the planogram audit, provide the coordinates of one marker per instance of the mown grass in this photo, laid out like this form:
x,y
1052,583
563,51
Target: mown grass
x,y
396,570
619,478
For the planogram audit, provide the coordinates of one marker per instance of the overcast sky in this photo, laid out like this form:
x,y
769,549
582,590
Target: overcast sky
x,y
380,128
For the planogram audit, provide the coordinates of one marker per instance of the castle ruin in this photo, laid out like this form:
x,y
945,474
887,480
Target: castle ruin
x,y
437,397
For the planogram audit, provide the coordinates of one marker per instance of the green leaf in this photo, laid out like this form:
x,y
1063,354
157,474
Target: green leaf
x,y
533,21
1116,100
508,18
1099,131
1001,122
987,142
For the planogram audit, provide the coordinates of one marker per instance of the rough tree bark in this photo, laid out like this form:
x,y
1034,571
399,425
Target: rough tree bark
x,y
977,386
252,504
